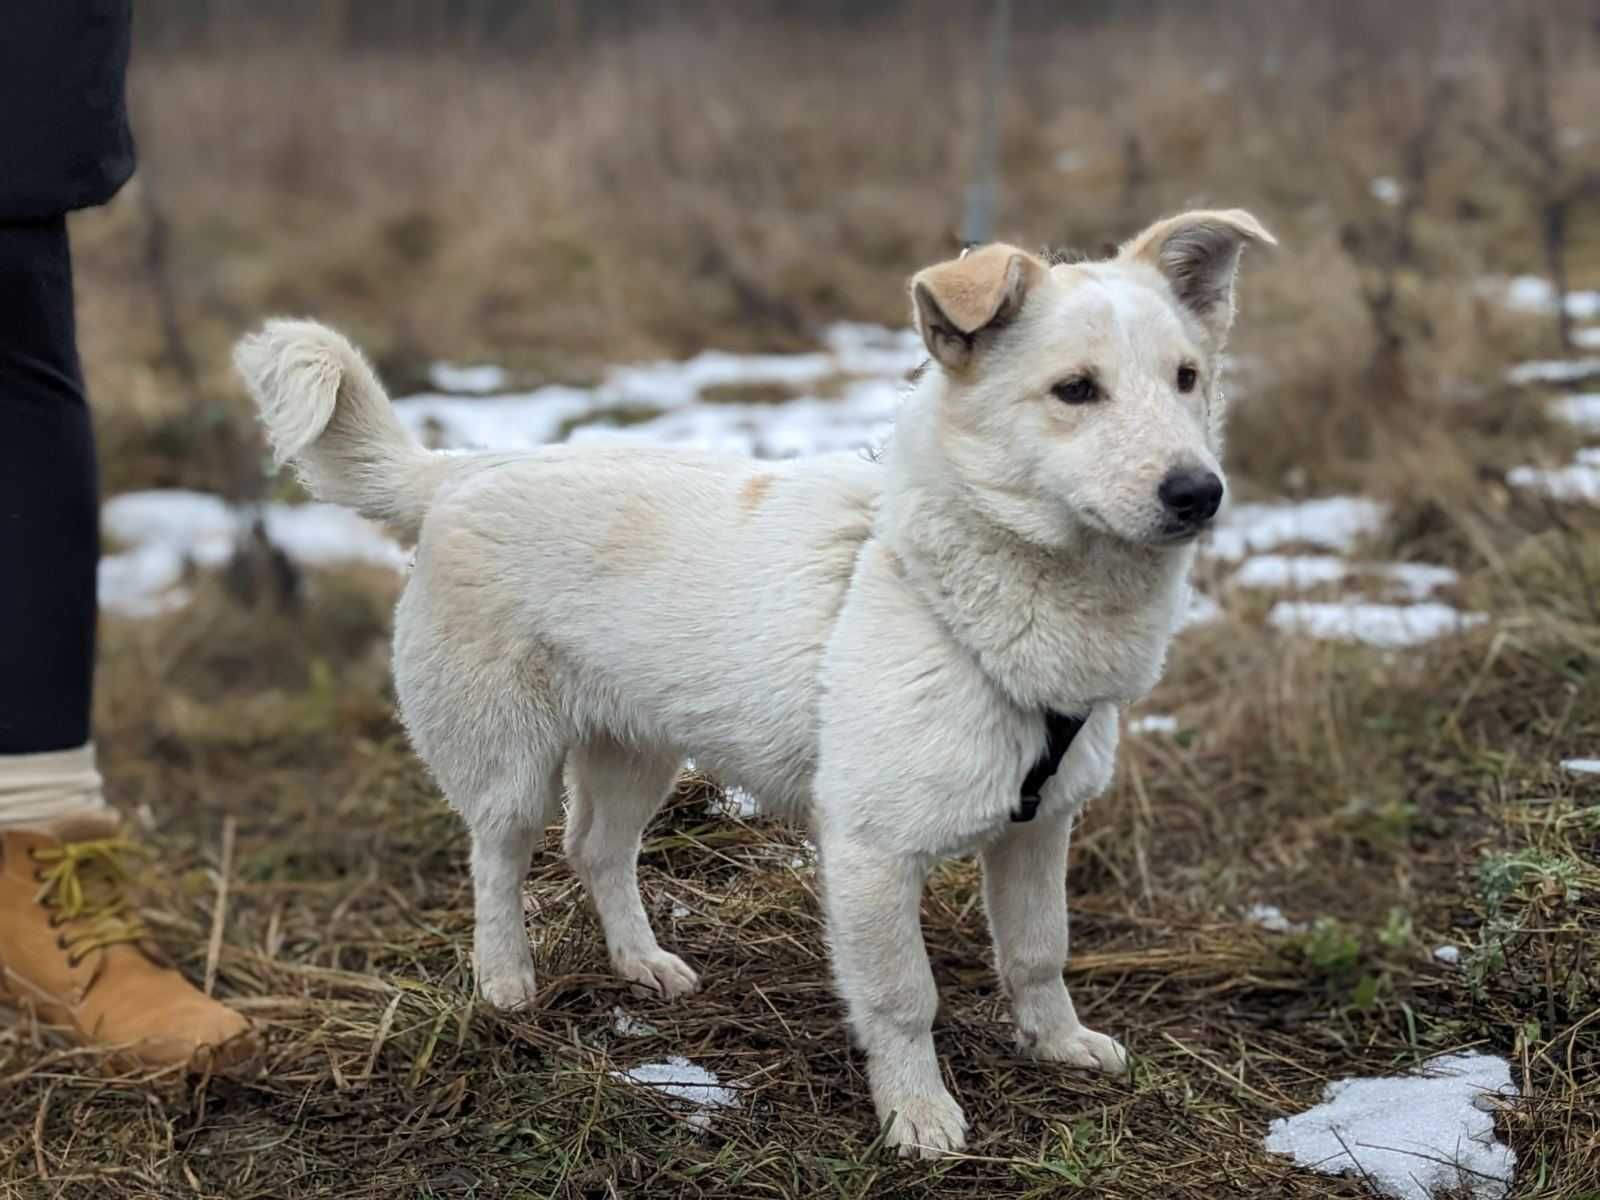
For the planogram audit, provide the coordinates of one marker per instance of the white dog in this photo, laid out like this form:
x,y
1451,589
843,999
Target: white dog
x,y
899,651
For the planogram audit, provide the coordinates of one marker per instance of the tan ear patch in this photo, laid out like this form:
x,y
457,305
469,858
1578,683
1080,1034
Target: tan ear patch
x,y
954,301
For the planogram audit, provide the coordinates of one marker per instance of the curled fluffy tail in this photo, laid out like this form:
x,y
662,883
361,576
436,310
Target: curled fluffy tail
x,y
326,412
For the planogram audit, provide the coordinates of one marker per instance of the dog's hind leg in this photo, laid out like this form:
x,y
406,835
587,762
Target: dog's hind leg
x,y
615,790
495,745
506,823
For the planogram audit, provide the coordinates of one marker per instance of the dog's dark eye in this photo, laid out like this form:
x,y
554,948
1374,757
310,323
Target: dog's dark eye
x,y
1080,389
1186,378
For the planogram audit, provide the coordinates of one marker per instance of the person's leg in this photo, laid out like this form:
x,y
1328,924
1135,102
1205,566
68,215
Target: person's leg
x,y
72,947
49,518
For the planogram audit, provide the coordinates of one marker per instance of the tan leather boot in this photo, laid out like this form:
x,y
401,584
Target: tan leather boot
x,y
74,951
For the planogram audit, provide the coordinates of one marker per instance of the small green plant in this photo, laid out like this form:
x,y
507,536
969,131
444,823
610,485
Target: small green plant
x,y
320,701
1348,957
1396,933
1082,1155
1518,889
1529,875
1329,948
1365,993
1378,819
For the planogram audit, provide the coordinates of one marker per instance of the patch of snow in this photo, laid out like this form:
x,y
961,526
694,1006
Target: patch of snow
x,y
736,802
1390,626
166,529
1068,161
1530,293
1581,766
1587,338
1411,1135
474,380
860,418
670,385
1582,410
1554,371
683,1080
1331,523
203,527
1447,954
1270,917
862,349
1415,579
197,525
630,1026
319,534
1154,723
679,911
1297,572
1387,190
1579,482
1292,571
874,359
142,582
515,422
851,349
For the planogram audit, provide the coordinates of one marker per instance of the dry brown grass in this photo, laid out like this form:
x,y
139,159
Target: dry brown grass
x,y
654,194
1402,801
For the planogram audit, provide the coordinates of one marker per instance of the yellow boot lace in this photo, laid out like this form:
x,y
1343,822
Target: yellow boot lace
x,y
83,887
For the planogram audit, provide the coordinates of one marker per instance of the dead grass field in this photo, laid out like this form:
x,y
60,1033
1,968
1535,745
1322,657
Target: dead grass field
x,y
656,194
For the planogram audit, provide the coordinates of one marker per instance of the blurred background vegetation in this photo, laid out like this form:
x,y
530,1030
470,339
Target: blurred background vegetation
x,y
563,185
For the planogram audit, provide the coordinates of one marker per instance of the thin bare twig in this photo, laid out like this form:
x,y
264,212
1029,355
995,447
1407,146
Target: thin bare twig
x,y
219,910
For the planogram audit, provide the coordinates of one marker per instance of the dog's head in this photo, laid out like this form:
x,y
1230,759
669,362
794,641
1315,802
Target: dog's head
x,y
1085,394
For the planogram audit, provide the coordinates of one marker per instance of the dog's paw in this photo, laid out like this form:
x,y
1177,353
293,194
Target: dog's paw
x,y
509,988
1079,1047
658,972
927,1126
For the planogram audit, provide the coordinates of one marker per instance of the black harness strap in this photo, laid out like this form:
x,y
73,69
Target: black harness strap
x,y
1059,729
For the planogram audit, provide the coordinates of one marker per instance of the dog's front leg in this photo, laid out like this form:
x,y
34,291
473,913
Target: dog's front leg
x,y
1024,891
872,899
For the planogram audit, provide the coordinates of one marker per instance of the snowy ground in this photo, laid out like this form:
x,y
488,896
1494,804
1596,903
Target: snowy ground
x,y
1577,482
163,535
696,1088
1409,1136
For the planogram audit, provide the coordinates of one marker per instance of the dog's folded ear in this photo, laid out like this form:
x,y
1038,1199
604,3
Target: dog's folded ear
x,y
1198,252
953,302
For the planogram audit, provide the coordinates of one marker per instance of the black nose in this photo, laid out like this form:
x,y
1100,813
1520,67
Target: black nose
x,y
1191,497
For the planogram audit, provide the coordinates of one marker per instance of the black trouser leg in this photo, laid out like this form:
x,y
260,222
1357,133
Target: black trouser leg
x,y
49,504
